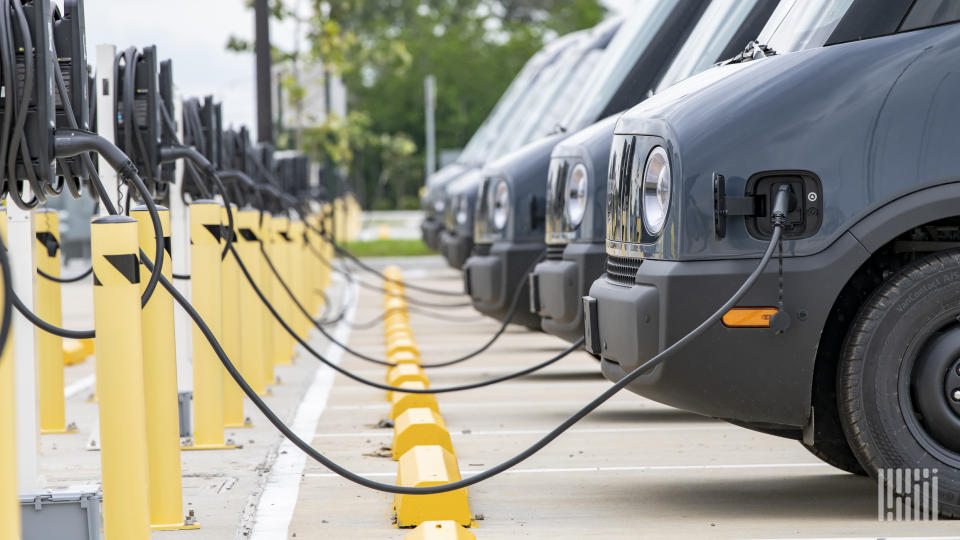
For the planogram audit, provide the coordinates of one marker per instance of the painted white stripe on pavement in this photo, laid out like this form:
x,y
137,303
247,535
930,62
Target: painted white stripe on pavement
x,y
873,537
469,433
613,469
79,386
282,489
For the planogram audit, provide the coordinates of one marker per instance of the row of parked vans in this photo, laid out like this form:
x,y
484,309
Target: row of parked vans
x,y
622,188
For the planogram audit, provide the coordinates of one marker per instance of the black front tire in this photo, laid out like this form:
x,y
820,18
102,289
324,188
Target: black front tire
x,y
875,396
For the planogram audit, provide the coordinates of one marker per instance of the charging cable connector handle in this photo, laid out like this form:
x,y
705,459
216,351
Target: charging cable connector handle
x,y
781,205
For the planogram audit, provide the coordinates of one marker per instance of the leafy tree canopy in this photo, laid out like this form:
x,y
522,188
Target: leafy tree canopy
x,y
384,49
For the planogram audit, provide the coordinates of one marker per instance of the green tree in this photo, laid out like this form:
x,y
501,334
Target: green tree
x,y
384,49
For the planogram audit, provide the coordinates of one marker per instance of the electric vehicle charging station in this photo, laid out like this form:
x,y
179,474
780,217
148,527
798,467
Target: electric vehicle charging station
x,y
282,183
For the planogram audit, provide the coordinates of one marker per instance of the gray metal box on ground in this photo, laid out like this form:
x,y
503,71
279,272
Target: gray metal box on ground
x,y
63,516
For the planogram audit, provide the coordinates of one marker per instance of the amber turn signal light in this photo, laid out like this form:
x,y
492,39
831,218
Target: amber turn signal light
x,y
755,317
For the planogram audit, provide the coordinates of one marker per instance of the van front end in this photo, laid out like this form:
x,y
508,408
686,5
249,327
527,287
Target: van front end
x,y
848,340
508,233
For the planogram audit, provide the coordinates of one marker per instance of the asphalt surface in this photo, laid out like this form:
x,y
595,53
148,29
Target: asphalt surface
x,y
632,469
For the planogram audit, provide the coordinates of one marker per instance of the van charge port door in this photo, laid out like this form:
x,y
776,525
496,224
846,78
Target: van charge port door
x,y
806,214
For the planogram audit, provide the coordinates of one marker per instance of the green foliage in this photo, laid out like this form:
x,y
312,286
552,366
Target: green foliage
x,y
389,248
384,49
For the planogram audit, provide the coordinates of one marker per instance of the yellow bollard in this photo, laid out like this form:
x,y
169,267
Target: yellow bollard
x,y
282,341
123,432
296,277
208,374
230,302
268,286
252,319
160,369
314,266
9,502
49,347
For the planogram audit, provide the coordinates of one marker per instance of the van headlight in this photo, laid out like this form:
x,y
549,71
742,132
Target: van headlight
x,y
500,205
462,211
438,206
575,196
656,188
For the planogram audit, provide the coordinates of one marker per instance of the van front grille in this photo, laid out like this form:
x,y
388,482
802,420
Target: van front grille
x,y
622,271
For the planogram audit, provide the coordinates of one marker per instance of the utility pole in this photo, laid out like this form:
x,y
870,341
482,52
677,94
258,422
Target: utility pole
x,y
262,49
430,98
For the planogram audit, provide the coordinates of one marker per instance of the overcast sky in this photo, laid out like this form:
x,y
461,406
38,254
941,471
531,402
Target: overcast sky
x,y
193,33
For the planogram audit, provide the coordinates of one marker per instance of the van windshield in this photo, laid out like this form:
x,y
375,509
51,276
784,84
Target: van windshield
x,y
708,39
618,59
477,149
802,24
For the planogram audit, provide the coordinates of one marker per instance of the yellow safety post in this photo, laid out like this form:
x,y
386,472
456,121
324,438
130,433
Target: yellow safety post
x,y
73,352
425,466
9,502
282,341
440,530
269,287
401,401
160,395
296,277
252,316
417,427
315,267
402,373
208,374
404,357
233,416
328,251
402,343
123,431
53,418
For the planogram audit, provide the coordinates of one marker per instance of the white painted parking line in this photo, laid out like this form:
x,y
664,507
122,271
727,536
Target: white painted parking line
x,y
282,489
869,537
638,468
471,433
574,405
79,386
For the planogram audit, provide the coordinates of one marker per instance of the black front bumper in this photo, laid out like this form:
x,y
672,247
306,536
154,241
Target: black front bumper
x,y
456,248
492,280
430,229
557,286
750,376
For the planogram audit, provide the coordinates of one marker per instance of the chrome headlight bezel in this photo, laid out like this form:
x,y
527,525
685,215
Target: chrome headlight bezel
x,y
576,193
655,190
500,205
439,206
462,212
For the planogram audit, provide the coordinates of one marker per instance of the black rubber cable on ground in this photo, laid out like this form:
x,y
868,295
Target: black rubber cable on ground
x,y
73,279
377,288
339,249
316,354
506,465
503,327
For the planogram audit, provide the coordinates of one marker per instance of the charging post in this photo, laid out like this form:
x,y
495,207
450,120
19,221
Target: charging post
x,y
271,328
180,240
159,367
9,501
20,239
208,384
252,321
119,344
230,302
50,347
282,342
